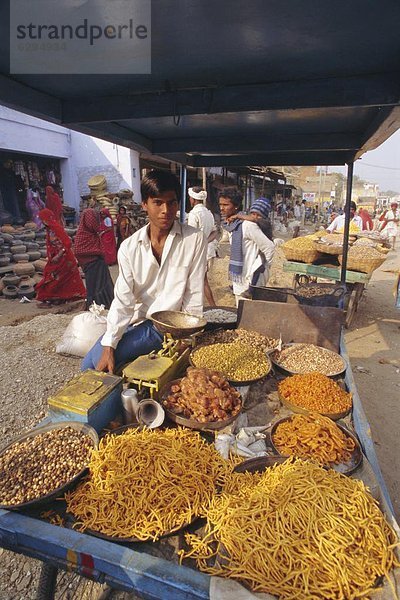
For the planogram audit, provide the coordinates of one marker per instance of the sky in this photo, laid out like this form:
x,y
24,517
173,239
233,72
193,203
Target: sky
x,y
381,166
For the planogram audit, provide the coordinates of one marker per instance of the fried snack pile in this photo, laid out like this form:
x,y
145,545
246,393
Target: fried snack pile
x,y
315,392
296,531
313,436
205,396
143,484
307,358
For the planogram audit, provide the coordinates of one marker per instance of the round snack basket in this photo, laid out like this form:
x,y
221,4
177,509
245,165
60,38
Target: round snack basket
x,y
345,467
304,411
335,373
81,427
305,255
334,294
326,248
367,265
229,311
193,423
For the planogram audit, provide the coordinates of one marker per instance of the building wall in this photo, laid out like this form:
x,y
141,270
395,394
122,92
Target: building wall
x,y
81,156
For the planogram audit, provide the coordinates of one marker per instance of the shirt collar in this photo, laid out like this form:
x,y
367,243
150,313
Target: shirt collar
x,y
143,237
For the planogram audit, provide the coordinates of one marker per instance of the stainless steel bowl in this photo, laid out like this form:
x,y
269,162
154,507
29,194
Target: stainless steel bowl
x,y
178,324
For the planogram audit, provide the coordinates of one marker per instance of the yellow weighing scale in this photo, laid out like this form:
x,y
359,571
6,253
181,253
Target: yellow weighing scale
x,y
154,370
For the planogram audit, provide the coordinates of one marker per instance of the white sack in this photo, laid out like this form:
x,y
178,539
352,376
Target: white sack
x,y
83,332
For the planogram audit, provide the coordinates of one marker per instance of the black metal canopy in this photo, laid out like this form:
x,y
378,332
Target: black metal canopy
x,y
235,82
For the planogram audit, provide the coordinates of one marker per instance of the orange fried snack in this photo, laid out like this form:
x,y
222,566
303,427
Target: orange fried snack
x,y
313,436
315,392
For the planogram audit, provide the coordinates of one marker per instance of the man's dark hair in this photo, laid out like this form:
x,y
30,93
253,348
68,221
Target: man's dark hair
x,y
353,205
233,195
157,182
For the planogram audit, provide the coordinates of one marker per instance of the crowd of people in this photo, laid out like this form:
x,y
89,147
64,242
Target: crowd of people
x,y
163,265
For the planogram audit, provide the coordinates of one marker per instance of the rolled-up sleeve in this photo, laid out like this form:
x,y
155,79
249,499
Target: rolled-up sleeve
x,y
122,307
193,299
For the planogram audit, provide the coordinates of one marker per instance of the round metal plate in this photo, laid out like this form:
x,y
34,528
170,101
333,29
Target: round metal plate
x,y
192,423
303,411
177,323
84,428
275,360
231,381
346,467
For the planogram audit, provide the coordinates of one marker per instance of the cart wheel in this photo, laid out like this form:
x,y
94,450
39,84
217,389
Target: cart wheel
x,y
47,582
353,303
299,279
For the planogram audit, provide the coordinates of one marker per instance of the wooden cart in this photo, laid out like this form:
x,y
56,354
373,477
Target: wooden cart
x,y
356,282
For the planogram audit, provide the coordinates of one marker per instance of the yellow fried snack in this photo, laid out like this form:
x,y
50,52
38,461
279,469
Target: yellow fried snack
x,y
296,531
143,484
313,436
315,392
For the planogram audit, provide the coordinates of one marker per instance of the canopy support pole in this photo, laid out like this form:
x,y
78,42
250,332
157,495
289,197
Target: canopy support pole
x,y
349,187
182,205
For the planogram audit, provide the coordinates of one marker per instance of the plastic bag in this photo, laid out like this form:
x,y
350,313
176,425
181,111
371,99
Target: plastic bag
x,y
83,332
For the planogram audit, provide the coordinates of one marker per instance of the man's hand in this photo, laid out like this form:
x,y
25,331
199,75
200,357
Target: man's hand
x,y
107,360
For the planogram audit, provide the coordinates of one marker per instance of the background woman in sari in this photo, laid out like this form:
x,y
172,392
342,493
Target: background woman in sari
x,y
89,253
53,203
124,226
107,238
61,280
34,204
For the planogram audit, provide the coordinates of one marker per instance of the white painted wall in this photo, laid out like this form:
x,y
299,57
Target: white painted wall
x,y
82,156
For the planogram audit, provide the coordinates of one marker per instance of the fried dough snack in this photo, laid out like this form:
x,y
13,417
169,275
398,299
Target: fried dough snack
x,y
203,395
313,436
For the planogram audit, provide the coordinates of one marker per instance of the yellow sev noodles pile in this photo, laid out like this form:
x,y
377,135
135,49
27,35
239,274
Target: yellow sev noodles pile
x,y
296,531
144,484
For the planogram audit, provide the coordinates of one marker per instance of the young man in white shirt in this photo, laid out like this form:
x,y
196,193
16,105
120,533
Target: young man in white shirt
x,y
202,218
391,223
338,223
161,267
251,250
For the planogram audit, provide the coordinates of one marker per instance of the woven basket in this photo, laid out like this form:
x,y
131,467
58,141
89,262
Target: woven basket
x,y
305,255
363,266
328,248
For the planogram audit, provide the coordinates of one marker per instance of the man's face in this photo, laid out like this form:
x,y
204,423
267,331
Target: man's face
x,y
394,206
162,210
227,207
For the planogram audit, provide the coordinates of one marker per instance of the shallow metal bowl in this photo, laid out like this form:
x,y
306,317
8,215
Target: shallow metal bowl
x,y
275,361
345,467
178,324
84,428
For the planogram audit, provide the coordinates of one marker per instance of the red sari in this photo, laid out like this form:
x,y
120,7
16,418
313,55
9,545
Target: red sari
x,y
53,203
107,239
61,279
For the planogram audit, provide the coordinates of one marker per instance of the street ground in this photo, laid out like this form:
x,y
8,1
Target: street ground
x,y
32,371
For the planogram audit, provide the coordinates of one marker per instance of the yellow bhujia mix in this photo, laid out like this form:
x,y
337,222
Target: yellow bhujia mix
x,y
313,436
296,531
143,484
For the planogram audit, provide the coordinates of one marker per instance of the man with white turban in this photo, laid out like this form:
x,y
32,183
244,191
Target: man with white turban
x,y
202,218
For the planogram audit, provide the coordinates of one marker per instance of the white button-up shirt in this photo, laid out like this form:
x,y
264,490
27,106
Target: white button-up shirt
x,y
338,223
203,219
144,286
257,250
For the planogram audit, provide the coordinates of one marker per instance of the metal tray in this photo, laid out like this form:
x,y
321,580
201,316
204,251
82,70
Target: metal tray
x,y
290,372
232,381
84,428
213,325
129,540
304,411
192,423
346,467
259,464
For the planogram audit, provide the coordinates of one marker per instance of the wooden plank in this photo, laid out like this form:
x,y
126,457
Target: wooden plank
x,y
320,325
326,272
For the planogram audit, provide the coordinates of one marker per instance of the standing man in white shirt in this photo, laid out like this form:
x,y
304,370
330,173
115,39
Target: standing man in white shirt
x,y
251,250
338,223
202,218
161,267
391,224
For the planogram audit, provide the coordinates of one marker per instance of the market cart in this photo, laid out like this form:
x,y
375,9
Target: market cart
x,y
151,569
355,281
